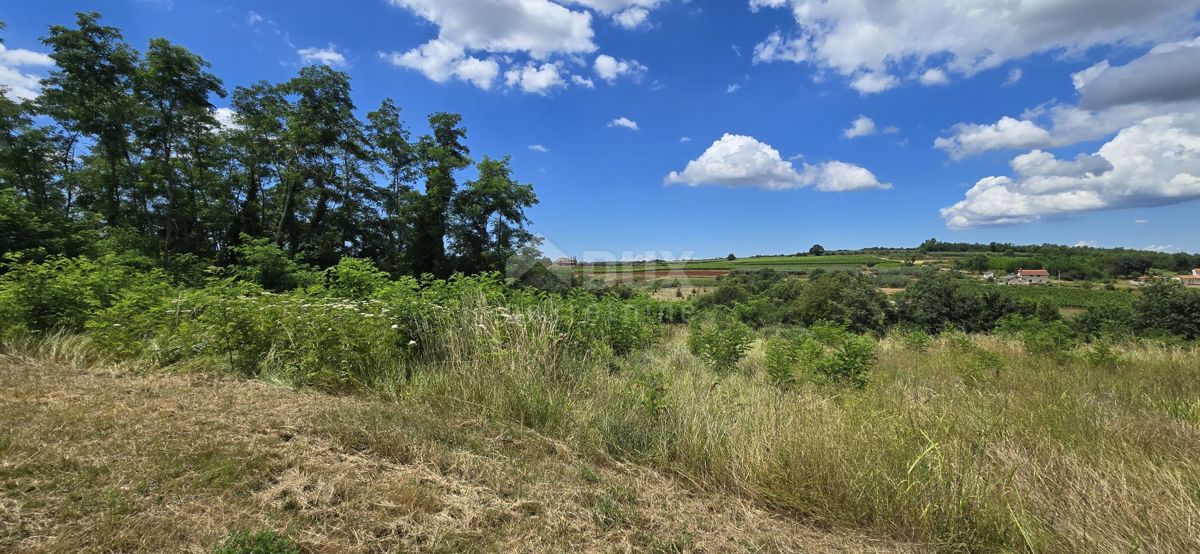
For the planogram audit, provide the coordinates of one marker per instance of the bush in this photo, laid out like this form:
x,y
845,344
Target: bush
x,y
262,542
720,340
355,278
1040,336
261,261
826,353
62,293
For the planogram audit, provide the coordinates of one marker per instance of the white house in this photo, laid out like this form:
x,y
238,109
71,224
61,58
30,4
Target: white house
x,y
1027,277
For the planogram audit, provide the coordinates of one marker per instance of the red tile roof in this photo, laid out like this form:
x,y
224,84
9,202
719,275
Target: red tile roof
x,y
1034,273
1189,277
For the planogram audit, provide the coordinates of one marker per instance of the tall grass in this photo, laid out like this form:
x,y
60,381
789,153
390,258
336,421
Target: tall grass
x,y
970,443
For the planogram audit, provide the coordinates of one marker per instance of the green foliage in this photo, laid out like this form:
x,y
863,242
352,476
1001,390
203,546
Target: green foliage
x,y
1168,309
1039,335
720,340
62,293
825,353
262,542
355,279
262,262
941,301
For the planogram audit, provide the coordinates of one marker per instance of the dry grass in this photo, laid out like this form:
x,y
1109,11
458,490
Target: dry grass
x,y
108,459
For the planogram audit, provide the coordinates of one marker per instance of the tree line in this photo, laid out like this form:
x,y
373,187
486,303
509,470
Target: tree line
x,y
124,149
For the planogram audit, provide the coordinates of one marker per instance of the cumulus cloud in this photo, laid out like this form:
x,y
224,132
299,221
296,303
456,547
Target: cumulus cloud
x,y
15,79
1165,81
630,14
743,161
861,127
583,81
624,122
934,76
539,148
328,56
969,139
478,40
440,61
535,79
1154,162
872,82
854,37
610,69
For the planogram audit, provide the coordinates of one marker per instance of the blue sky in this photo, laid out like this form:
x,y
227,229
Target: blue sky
x,y
1061,121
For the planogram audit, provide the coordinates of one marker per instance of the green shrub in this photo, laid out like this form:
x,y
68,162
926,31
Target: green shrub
x,y
720,340
62,293
824,353
1044,337
261,261
262,542
355,278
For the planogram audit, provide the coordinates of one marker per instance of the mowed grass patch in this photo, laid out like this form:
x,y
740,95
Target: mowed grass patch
x,y
97,459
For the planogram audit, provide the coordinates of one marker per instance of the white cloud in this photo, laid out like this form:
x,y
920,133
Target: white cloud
x,y
1154,162
328,56
1014,76
777,48
440,61
536,29
253,18
629,14
226,118
743,161
1008,133
481,73
610,68
1085,243
733,88
535,79
1140,221
853,37
685,139
934,76
539,148
841,176
861,127
632,18
1165,81
624,122
1159,248
583,81
15,79
873,82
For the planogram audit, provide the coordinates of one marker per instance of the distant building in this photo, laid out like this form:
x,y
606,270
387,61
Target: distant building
x,y
1034,275
1191,281
566,262
1027,277
988,275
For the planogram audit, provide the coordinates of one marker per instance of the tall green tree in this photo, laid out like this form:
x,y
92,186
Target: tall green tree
x,y
442,154
397,160
90,94
489,221
175,88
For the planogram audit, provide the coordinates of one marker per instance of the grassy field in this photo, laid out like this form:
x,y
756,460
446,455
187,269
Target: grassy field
x,y
965,444
95,458
782,263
